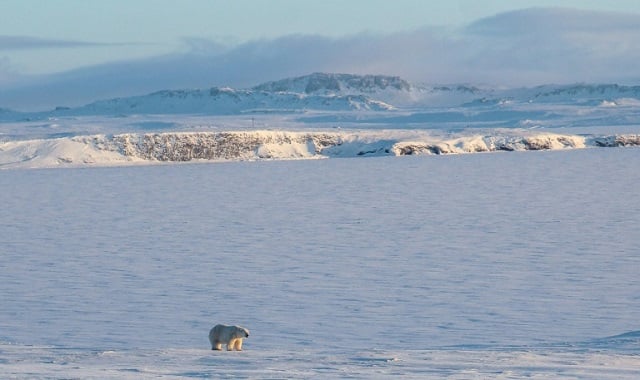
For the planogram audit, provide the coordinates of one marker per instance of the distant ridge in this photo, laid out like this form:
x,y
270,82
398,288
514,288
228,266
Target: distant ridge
x,y
334,92
588,91
228,101
327,83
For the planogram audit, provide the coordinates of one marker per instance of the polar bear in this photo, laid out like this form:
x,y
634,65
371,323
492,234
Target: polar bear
x,y
230,335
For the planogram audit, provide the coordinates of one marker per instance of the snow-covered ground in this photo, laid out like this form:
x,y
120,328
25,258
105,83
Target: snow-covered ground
x,y
171,363
511,265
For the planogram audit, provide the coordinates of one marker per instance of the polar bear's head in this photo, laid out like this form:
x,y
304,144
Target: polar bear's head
x,y
241,332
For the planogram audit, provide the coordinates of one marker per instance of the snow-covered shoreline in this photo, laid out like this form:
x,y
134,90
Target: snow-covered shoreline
x,y
148,148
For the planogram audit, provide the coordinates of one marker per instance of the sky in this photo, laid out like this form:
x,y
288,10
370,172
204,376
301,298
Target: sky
x,y
67,51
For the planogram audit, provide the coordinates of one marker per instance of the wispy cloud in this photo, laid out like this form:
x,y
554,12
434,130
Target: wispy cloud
x,y
563,20
8,71
526,47
26,42
556,45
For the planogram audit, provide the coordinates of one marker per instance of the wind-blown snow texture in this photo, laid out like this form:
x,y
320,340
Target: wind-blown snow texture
x,y
488,265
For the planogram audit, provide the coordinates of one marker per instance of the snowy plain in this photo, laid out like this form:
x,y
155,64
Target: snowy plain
x,y
503,243
501,265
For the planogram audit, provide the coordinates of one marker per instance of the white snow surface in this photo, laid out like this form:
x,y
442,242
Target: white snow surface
x,y
515,265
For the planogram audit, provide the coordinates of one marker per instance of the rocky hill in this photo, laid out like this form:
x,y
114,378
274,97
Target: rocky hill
x,y
336,84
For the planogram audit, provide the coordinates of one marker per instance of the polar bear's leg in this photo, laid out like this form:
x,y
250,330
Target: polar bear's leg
x,y
217,346
238,345
230,345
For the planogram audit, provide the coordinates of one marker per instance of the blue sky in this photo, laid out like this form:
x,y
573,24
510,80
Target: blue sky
x,y
129,29
134,46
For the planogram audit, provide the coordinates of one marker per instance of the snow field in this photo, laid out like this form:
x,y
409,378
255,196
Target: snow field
x,y
47,362
498,265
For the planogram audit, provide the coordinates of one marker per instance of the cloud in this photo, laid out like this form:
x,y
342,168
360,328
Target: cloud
x,y
26,42
9,74
564,20
521,48
199,45
556,45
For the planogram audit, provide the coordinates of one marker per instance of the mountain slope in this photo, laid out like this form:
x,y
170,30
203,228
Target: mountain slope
x,y
227,101
344,92
332,84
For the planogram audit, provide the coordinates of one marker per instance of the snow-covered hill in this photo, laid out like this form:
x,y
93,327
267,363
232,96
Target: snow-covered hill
x,y
401,93
227,101
580,92
336,84
325,92
389,89
140,148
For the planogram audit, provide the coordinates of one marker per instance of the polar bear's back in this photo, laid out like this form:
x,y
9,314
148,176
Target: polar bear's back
x,y
217,333
222,333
